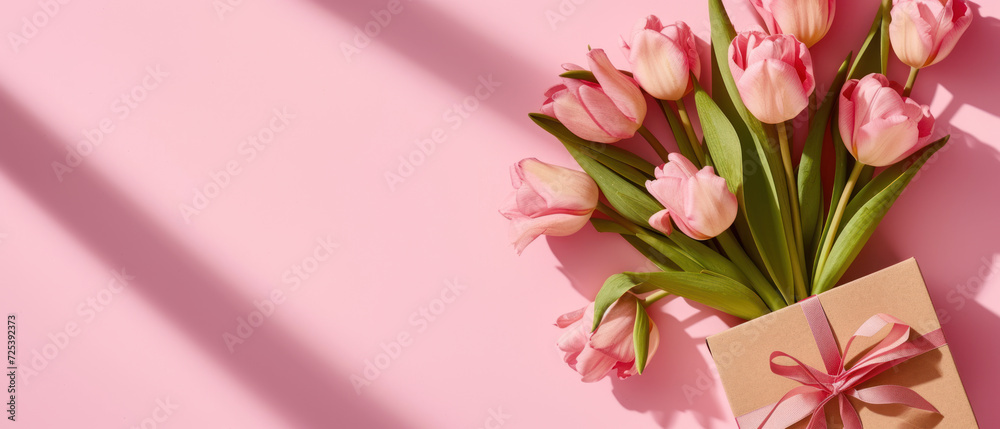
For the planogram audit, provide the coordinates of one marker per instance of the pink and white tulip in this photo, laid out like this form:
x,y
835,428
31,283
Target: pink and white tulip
x,y
924,32
879,126
774,74
604,112
663,58
610,348
547,199
807,20
698,202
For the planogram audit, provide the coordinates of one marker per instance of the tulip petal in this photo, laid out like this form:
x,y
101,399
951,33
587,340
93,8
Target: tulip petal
x,y
771,90
605,113
660,221
807,20
954,21
668,191
594,365
509,207
766,16
845,116
710,207
659,65
571,317
614,336
912,32
883,140
570,111
621,89
572,342
523,230
679,166
681,34
925,127
549,189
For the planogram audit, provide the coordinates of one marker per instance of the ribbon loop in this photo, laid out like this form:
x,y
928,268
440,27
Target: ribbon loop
x,y
838,382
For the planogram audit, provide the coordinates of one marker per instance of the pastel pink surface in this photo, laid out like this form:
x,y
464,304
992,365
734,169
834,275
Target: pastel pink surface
x,y
486,353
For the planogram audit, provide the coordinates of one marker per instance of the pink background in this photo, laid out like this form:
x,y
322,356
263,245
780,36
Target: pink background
x,y
156,349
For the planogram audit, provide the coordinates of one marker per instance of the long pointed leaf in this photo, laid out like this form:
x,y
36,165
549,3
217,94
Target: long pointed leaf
x,y
810,177
867,214
640,336
714,291
722,140
761,201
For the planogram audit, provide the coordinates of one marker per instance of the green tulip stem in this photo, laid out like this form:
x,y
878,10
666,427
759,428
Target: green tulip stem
x,y
837,215
655,296
657,146
909,81
793,195
689,129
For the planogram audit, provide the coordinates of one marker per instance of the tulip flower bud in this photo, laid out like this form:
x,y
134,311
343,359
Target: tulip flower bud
x,y
547,199
773,74
604,112
807,20
663,58
610,348
879,126
699,202
924,32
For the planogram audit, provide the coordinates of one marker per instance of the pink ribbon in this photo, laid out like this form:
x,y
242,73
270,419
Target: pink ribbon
x,y
820,387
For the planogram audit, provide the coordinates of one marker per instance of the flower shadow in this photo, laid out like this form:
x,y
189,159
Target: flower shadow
x,y
679,377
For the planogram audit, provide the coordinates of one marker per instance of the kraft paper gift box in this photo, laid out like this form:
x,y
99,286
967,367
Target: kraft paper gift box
x,y
743,356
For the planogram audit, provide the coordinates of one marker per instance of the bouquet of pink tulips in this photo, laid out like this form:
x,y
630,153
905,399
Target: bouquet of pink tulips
x,y
728,218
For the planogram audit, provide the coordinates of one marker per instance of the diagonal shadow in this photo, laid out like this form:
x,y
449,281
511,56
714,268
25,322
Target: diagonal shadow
x,y
199,300
454,51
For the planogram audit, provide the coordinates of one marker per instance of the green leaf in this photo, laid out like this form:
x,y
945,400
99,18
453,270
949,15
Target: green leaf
x,y
677,129
869,59
766,201
810,178
867,173
628,172
671,250
722,98
633,203
604,225
657,258
712,290
587,75
600,150
722,140
708,259
867,210
843,164
614,287
640,336
884,35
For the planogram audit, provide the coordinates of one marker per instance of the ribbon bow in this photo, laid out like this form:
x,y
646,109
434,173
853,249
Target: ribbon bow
x,y
820,387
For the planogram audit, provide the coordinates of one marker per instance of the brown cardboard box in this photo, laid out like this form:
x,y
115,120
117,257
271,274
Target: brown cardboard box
x,y
742,354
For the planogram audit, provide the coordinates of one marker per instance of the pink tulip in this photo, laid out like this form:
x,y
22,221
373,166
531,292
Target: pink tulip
x,y
923,32
699,202
774,74
807,20
879,126
663,58
547,199
606,112
610,348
